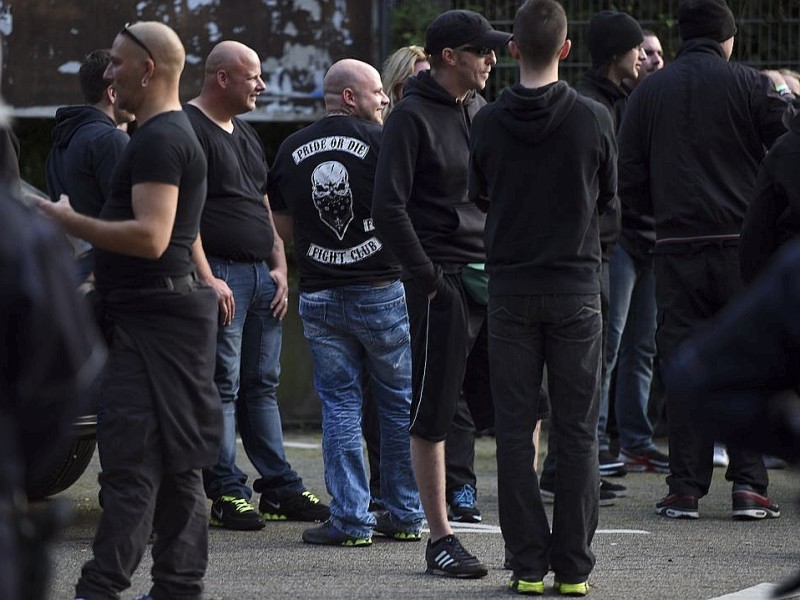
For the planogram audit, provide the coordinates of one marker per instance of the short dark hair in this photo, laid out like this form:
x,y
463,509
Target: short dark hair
x,y
93,85
540,29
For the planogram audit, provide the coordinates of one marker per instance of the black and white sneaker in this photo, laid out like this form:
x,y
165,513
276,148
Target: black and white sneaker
x,y
610,465
447,557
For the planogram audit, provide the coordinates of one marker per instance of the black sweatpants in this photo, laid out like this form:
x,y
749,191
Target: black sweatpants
x,y
693,282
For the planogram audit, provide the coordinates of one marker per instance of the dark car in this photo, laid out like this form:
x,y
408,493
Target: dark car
x,y
68,469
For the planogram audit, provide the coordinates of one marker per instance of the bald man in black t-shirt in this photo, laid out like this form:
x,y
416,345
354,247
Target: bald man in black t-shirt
x,y
242,258
159,409
352,305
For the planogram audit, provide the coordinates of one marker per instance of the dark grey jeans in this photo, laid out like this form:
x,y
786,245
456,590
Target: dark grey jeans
x,y
525,334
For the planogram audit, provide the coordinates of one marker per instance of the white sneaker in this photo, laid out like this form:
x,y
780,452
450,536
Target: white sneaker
x,y
720,456
773,462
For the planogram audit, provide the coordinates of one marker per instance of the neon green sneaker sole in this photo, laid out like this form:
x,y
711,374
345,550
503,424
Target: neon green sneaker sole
x,y
572,589
522,586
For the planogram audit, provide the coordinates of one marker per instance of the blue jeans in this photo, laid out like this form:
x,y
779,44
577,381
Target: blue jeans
x,y
349,329
247,371
525,334
630,347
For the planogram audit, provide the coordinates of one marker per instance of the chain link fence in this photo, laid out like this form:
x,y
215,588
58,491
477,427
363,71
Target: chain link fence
x,y
768,30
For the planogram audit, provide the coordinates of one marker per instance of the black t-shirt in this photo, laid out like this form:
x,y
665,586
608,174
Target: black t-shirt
x,y
235,224
324,175
163,150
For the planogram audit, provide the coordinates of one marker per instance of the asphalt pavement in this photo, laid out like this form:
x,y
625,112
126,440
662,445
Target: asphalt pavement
x,y
640,555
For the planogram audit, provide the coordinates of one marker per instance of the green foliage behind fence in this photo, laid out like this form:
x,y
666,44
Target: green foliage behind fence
x,y
768,30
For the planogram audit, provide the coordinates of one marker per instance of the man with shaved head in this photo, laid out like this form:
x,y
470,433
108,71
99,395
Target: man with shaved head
x,y
352,305
159,409
241,257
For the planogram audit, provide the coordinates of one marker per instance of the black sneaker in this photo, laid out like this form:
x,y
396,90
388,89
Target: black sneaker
x,y
606,497
463,507
327,535
610,465
750,505
231,512
403,533
677,506
619,491
449,558
305,506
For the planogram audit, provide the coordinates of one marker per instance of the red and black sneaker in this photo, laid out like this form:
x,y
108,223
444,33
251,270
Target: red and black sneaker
x,y
678,506
750,505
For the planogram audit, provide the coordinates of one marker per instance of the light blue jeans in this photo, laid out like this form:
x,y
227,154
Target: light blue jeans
x,y
349,329
630,347
247,371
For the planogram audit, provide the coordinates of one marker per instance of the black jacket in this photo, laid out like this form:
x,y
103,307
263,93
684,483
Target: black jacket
x,y
635,231
613,97
691,141
773,217
86,148
545,161
420,203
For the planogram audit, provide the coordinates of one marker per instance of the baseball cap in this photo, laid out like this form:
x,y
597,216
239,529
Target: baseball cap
x,y
456,28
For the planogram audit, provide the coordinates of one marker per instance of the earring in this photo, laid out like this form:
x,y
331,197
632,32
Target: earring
x,y
144,81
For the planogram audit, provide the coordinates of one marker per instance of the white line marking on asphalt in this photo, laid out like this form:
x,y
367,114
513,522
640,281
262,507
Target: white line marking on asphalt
x,y
485,528
302,445
762,591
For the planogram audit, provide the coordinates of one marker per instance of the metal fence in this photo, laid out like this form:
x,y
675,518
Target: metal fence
x,y
768,30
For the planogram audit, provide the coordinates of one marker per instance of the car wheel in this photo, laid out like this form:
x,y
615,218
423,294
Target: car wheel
x,y
67,472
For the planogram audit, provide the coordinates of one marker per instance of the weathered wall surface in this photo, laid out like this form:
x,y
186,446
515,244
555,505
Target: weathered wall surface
x,y
45,40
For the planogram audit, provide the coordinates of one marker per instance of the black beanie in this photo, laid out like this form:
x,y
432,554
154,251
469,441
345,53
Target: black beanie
x,y
707,19
610,34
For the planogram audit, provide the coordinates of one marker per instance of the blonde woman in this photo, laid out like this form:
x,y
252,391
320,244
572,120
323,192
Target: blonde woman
x,y
401,64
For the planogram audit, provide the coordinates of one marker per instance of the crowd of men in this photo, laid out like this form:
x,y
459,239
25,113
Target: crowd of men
x,y
581,230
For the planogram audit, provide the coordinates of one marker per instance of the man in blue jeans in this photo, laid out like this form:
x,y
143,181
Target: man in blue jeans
x,y
352,304
631,343
241,257
544,261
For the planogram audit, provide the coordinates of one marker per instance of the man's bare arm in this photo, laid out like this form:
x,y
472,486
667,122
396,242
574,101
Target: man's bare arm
x,y
278,269
147,235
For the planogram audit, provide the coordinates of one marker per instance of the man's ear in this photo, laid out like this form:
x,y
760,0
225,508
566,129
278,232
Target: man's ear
x,y
111,96
222,78
513,49
449,56
348,97
564,53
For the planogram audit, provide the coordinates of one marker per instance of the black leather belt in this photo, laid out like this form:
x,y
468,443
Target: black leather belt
x,y
170,283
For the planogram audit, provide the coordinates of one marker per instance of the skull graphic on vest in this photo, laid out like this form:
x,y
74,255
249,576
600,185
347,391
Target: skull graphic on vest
x,y
330,189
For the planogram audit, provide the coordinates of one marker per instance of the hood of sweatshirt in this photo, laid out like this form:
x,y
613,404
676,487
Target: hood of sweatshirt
x,y
531,115
71,118
426,86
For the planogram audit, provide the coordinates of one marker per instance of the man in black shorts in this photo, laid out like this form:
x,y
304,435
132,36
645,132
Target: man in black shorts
x,y
160,415
422,213
241,257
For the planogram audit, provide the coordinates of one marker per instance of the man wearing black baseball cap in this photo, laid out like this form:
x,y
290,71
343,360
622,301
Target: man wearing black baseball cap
x,y
422,213
690,145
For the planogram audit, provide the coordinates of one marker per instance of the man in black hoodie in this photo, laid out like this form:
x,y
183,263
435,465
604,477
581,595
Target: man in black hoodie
x,y
424,217
691,141
615,40
87,144
543,256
